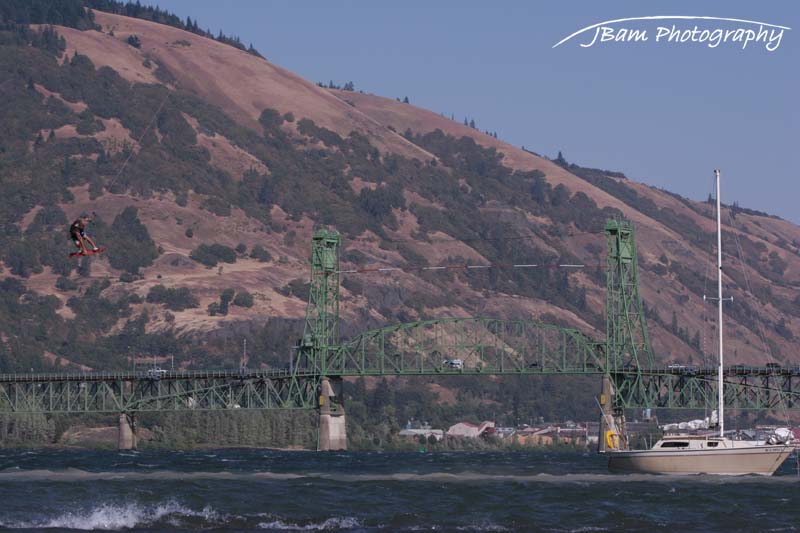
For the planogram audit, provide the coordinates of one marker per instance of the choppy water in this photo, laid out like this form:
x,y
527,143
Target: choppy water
x,y
307,491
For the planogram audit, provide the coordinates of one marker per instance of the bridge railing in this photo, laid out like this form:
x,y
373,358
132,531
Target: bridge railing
x,y
428,356
151,374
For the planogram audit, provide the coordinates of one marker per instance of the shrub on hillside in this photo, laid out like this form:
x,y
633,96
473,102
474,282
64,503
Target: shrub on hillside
x,y
87,124
243,299
270,119
217,205
299,288
260,253
174,299
225,298
221,307
380,202
211,254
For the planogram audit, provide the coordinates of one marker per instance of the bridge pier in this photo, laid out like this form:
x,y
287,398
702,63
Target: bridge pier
x,y
126,436
610,421
332,430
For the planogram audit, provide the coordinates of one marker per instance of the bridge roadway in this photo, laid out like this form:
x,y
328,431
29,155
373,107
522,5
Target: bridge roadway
x,y
245,374
682,387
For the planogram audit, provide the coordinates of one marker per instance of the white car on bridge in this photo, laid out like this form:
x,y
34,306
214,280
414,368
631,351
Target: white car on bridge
x,y
457,364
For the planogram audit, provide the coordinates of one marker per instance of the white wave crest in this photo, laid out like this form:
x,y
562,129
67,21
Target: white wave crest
x,y
112,516
334,523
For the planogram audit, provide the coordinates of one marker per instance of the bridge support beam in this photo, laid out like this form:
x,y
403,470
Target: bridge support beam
x,y
607,421
332,430
126,436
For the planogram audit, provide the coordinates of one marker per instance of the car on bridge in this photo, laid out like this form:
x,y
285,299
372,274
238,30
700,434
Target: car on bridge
x,y
456,364
154,373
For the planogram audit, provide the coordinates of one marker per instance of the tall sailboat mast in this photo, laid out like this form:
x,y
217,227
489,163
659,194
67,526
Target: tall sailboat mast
x,y
699,454
720,388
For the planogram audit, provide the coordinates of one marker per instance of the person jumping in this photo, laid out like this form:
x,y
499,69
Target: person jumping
x,y
77,233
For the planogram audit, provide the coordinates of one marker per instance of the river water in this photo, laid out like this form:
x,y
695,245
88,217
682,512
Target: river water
x,y
244,489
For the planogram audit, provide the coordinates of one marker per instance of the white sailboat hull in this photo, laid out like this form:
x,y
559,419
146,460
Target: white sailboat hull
x,y
740,460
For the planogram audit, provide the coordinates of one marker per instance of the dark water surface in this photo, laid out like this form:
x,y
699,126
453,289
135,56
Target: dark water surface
x,y
307,491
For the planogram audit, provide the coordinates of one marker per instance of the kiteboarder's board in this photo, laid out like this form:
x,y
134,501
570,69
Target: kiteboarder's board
x,y
88,252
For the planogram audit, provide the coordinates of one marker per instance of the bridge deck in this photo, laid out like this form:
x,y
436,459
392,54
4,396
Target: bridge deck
x,y
247,374
186,390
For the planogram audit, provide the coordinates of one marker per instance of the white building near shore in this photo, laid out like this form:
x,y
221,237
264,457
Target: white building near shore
x,y
470,431
438,434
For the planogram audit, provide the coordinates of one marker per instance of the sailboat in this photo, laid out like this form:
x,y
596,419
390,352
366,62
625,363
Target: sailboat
x,y
709,454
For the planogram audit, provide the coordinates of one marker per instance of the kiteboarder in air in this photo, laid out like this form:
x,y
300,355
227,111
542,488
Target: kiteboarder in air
x,y
77,233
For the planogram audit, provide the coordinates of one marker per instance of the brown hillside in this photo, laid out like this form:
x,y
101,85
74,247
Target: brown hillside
x,y
654,237
243,85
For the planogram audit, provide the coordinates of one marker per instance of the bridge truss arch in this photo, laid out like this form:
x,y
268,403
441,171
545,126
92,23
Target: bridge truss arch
x,y
466,346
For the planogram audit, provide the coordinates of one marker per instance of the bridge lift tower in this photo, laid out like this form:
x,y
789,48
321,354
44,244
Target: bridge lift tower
x,y
627,344
321,337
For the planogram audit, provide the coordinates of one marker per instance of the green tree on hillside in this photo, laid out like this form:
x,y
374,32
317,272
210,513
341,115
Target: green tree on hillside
x,y
174,299
243,299
129,244
210,255
224,300
260,253
69,13
134,41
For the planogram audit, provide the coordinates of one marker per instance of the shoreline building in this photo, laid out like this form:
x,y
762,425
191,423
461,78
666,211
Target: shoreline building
x,y
471,431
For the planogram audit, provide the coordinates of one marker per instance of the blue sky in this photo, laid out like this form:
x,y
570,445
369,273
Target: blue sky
x,y
663,113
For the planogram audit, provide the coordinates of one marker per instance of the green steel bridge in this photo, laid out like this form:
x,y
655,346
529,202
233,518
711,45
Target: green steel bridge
x,y
132,392
440,347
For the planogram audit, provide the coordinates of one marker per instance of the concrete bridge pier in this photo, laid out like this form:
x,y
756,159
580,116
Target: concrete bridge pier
x,y
332,431
126,436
